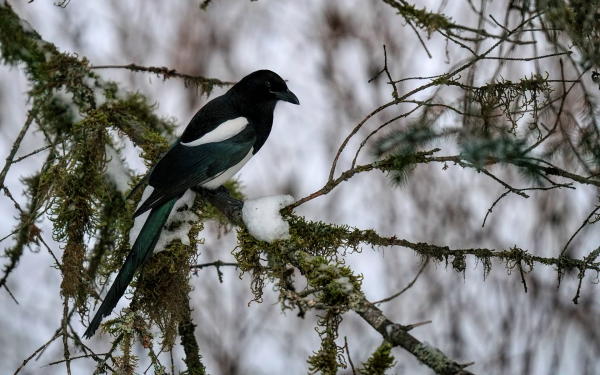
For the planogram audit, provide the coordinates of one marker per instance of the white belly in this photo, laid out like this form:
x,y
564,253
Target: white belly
x,y
224,176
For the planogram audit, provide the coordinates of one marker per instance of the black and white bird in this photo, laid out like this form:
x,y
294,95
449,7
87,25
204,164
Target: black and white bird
x,y
218,141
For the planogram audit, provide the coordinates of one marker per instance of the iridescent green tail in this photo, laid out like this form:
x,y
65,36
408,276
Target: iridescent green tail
x,y
140,253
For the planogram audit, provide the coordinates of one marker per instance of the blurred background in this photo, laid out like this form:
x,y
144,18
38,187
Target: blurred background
x,y
327,51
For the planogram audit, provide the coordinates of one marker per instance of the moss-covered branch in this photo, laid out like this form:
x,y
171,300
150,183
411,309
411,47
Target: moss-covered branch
x,y
205,84
189,343
313,250
80,114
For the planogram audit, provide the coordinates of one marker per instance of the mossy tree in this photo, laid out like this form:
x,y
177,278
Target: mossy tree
x,y
501,124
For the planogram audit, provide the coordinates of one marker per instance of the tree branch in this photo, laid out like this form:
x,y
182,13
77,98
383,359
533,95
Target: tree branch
x,y
189,343
396,334
205,83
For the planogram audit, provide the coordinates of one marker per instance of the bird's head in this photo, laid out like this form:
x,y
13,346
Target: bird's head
x,y
264,87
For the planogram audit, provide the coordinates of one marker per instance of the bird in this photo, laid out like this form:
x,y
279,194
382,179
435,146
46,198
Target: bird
x,y
220,138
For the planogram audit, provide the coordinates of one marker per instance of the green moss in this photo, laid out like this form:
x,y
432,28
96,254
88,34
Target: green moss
x,y
193,359
316,249
325,360
422,18
77,189
134,117
459,263
380,361
433,357
580,19
20,45
512,99
124,330
112,227
336,283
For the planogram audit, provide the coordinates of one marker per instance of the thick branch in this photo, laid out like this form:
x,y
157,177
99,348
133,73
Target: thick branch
x,y
398,335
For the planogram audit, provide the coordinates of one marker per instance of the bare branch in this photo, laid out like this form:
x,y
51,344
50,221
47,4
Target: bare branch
x,y
407,287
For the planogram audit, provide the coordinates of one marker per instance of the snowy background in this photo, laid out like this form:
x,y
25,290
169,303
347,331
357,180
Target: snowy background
x,y
327,51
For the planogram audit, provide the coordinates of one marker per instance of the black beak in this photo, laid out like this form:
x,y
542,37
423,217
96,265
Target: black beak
x,y
287,96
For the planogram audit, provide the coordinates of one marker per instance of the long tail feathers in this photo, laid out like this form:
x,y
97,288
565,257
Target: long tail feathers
x,y
140,252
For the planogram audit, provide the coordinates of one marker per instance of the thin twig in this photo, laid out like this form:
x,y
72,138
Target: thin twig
x,y
16,145
585,222
34,152
167,73
504,58
217,263
65,335
407,287
419,36
557,186
12,296
72,358
348,355
38,350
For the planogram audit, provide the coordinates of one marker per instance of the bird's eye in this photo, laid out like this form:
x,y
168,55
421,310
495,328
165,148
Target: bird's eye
x,y
268,84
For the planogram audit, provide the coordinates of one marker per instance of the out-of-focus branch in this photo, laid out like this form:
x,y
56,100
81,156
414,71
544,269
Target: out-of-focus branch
x,y
15,147
444,78
407,287
425,157
166,73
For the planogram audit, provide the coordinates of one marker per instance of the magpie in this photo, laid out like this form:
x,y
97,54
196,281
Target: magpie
x,y
221,137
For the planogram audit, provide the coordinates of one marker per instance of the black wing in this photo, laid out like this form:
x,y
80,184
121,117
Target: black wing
x,y
184,167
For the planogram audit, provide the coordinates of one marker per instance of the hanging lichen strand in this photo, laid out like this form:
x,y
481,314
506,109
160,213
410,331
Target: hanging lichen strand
x,y
79,187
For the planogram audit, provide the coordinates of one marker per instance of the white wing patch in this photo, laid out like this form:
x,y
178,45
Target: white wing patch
x,y
224,176
181,213
225,130
139,221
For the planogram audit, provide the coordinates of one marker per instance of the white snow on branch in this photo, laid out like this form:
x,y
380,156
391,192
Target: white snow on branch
x,y
345,284
97,86
263,220
66,98
26,26
116,170
179,223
